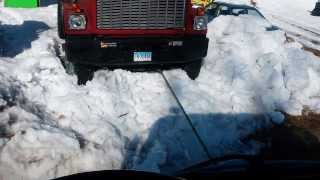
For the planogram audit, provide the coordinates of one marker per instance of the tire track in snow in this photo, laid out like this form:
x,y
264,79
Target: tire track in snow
x,y
307,29
315,39
310,43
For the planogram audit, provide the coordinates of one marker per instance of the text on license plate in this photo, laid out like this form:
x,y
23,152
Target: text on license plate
x,y
142,56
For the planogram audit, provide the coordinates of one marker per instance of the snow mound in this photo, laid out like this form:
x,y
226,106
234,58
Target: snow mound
x,y
36,145
251,75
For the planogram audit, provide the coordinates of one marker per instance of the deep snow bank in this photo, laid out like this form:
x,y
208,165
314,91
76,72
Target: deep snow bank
x,y
246,60
248,70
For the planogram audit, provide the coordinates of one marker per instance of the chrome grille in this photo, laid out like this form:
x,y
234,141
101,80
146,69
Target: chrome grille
x,y
140,14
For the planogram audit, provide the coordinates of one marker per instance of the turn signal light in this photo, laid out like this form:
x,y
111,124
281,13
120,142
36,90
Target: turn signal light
x,y
201,11
76,8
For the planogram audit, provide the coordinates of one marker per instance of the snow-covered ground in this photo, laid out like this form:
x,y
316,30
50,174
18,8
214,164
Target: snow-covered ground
x,y
296,11
294,16
50,126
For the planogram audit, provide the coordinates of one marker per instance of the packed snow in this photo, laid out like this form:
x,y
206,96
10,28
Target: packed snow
x,y
51,127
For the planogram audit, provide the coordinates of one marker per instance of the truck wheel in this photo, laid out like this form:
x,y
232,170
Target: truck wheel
x,y
193,69
84,73
60,20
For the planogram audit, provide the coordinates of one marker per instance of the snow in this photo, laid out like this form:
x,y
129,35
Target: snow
x,y
51,127
294,16
297,11
248,72
286,13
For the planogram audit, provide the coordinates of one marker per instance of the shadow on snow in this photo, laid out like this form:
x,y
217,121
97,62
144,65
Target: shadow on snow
x,y
14,39
172,146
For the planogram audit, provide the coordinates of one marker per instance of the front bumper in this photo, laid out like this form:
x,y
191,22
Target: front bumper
x,y
119,51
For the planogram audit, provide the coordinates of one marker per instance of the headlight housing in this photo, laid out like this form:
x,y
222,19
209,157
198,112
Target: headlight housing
x,y
200,23
77,22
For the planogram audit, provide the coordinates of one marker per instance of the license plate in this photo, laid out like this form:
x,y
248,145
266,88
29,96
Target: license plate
x,y
142,56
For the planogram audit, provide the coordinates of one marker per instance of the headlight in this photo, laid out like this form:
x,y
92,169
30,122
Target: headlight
x,y
77,22
200,23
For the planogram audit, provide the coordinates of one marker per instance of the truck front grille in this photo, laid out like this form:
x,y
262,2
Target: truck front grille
x,y
140,14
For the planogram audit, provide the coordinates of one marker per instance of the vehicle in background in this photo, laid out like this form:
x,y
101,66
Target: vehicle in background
x,y
216,9
116,34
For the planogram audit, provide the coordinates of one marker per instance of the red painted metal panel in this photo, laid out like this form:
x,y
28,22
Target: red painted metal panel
x,y
88,8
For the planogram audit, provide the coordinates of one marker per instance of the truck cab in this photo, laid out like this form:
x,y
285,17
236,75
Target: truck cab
x,y
133,33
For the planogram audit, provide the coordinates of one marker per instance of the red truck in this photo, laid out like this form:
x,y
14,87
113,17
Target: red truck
x,y
133,33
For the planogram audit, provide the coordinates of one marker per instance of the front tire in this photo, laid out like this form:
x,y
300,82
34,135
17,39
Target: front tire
x,y
84,73
193,69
